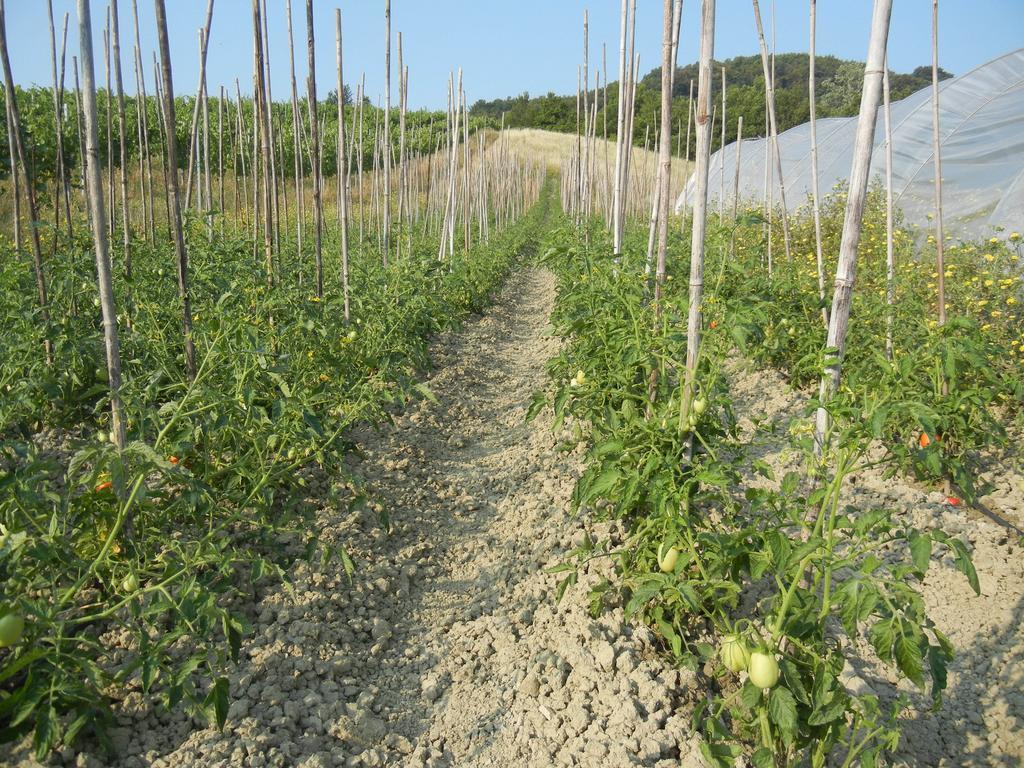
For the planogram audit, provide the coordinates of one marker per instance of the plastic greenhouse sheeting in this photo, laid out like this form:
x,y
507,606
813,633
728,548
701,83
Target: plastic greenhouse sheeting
x,y
981,130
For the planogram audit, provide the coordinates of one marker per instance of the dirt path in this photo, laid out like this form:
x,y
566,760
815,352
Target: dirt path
x,y
982,719
447,647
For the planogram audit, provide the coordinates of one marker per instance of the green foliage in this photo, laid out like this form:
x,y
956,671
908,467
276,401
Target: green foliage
x,y
786,568
127,566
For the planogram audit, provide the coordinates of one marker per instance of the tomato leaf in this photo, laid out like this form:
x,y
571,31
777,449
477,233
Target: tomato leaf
x,y
920,551
782,710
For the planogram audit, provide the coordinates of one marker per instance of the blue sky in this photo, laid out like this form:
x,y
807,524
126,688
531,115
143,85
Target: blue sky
x,y
504,47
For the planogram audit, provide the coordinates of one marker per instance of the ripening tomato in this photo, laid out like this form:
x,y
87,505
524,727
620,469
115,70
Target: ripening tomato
x,y
764,669
104,486
734,653
11,627
667,558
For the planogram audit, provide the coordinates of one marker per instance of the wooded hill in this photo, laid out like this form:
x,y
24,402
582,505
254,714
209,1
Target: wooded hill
x,y
838,94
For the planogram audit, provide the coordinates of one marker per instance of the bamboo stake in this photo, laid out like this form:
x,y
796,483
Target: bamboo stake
x,y
122,135
194,125
617,192
314,130
940,263
401,142
94,184
362,154
66,172
110,131
158,89
140,106
666,135
695,320
736,176
846,268
465,171
297,168
220,157
343,196
14,171
690,112
664,173
144,120
207,188
721,154
815,199
275,205
174,195
60,182
890,255
770,87
386,245
30,195
262,128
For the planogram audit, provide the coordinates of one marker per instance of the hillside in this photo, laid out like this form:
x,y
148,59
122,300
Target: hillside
x,y
838,94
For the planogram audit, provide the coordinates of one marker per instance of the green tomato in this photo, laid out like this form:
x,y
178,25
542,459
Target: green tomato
x,y
130,583
11,627
667,558
628,410
764,669
699,406
734,653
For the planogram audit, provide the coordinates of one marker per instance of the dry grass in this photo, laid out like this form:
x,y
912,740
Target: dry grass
x,y
554,148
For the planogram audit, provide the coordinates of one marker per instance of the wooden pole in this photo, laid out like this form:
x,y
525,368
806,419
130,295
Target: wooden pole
x,y
94,185
736,170
173,192
60,182
11,154
695,320
890,255
122,136
144,127
664,173
261,130
343,194
846,268
297,168
620,135
770,87
386,159
815,198
940,262
112,202
30,195
194,126
314,133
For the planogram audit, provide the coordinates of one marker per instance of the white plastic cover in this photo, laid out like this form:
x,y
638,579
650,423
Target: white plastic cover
x,y
981,129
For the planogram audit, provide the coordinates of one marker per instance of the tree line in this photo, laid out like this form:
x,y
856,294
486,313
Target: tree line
x,y
838,88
